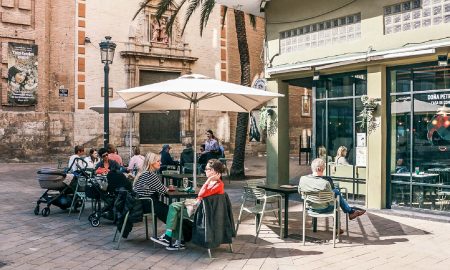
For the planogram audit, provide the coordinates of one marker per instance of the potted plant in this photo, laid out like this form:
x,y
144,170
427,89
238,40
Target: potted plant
x,y
268,120
369,107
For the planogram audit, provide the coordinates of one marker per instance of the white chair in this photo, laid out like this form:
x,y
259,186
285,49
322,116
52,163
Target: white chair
x,y
322,198
258,201
152,214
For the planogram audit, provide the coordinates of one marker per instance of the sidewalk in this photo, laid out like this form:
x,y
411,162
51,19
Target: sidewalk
x,y
377,240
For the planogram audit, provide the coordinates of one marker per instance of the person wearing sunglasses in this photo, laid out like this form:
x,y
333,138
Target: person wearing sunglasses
x,y
214,185
105,164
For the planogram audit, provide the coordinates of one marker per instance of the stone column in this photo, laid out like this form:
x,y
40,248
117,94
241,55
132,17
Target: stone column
x,y
377,140
278,144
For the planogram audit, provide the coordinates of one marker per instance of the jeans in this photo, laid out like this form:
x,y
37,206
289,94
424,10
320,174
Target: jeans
x,y
342,202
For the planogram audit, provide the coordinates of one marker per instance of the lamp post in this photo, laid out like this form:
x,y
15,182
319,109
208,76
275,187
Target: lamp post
x,y
107,48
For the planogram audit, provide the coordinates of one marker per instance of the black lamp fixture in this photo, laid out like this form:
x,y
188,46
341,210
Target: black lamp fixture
x,y
107,48
443,60
316,76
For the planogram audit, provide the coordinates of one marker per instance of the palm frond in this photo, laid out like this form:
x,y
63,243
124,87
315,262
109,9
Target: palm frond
x,y
225,9
163,6
252,21
193,5
172,18
143,5
207,8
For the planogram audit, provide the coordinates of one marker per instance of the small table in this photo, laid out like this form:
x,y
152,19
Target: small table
x,y
177,195
285,192
178,177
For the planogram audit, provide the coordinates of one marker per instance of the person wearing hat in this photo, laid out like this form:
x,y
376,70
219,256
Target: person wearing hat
x,y
166,158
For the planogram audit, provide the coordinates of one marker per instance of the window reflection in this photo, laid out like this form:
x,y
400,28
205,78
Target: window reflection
x,y
420,145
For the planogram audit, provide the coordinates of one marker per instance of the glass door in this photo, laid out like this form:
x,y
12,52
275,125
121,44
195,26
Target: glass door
x,y
337,105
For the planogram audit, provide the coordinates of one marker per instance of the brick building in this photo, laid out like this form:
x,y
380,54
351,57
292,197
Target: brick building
x,y
70,73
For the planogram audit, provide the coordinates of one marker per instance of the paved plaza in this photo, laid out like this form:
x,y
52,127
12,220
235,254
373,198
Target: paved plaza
x,y
378,240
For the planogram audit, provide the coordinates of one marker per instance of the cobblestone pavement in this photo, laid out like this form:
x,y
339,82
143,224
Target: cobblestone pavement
x,y
377,240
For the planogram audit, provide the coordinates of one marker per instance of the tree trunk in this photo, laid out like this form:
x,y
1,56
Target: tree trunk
x,y
237,169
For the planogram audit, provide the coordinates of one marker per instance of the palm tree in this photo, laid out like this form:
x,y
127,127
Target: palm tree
x,y
207,6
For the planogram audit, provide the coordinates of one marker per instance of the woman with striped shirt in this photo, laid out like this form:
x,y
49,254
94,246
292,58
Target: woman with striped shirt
x,y
148,184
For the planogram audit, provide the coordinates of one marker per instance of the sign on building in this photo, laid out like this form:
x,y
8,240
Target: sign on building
x,y
22,74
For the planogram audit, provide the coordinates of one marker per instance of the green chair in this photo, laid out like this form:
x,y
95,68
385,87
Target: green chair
x,y
152,214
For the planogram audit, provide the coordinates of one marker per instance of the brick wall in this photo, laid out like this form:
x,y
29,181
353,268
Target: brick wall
x,y
36,132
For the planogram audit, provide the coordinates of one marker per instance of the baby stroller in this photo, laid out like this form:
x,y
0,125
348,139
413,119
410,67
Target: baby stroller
x,y
59,191
96,190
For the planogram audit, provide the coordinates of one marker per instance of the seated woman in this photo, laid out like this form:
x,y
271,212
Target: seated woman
x,y
214,185
341,156
103,167
148,184
117,179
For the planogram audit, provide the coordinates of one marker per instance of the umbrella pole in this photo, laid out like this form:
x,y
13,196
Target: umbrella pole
x,y
130,132
195,147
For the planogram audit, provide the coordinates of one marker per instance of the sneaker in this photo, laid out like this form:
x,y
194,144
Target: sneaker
x,y
356,214
164,240
176,246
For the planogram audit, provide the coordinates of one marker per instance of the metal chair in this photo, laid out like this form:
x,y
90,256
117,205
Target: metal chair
x,y
259,200
189,168
191,218
261,182
152,214
322,198
80,193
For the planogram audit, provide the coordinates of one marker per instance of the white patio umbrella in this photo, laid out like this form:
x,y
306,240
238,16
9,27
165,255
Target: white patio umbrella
x,y
198,92
419,106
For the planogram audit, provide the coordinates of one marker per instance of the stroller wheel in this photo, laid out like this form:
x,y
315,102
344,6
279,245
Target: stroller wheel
x,y
95,222
45,211
36,210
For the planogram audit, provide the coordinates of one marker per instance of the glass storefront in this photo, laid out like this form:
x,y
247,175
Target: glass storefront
x,y
419,135
337,106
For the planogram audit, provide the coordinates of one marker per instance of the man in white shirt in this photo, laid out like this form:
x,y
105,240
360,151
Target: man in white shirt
x,y
79,150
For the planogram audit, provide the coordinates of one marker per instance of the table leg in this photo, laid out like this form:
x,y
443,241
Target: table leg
x,y
314,224
286,215
155,227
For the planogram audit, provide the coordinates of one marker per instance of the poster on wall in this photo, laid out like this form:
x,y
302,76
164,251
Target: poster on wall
x,y
361,156
22,74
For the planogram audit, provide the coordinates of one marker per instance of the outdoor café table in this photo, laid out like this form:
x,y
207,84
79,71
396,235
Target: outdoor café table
x,y
178,195
178,177
285,192
420,180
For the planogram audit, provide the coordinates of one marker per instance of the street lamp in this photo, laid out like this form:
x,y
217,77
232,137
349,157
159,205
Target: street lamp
x,y
107,48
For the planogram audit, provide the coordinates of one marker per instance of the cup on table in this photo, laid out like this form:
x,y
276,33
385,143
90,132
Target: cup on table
x,y
171,188
417,170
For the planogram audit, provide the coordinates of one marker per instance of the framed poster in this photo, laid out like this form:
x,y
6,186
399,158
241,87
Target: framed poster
x,y
22,74
306,106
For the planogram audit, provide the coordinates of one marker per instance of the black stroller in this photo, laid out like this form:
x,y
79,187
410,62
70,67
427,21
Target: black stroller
x,y
96,190
59,191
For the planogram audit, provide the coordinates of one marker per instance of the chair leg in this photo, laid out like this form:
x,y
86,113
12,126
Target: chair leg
x,y
239,219
231,248
259,226
180,233
304,224
82,207
121,231
146,227
209,253
280,222
334,230
346,225
73,200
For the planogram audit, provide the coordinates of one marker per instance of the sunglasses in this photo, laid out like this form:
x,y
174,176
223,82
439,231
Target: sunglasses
x,y
105,155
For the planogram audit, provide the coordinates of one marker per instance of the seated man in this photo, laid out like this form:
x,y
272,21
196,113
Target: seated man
x,y
187,156
214,185
316,182
79,150
166,158
113,154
